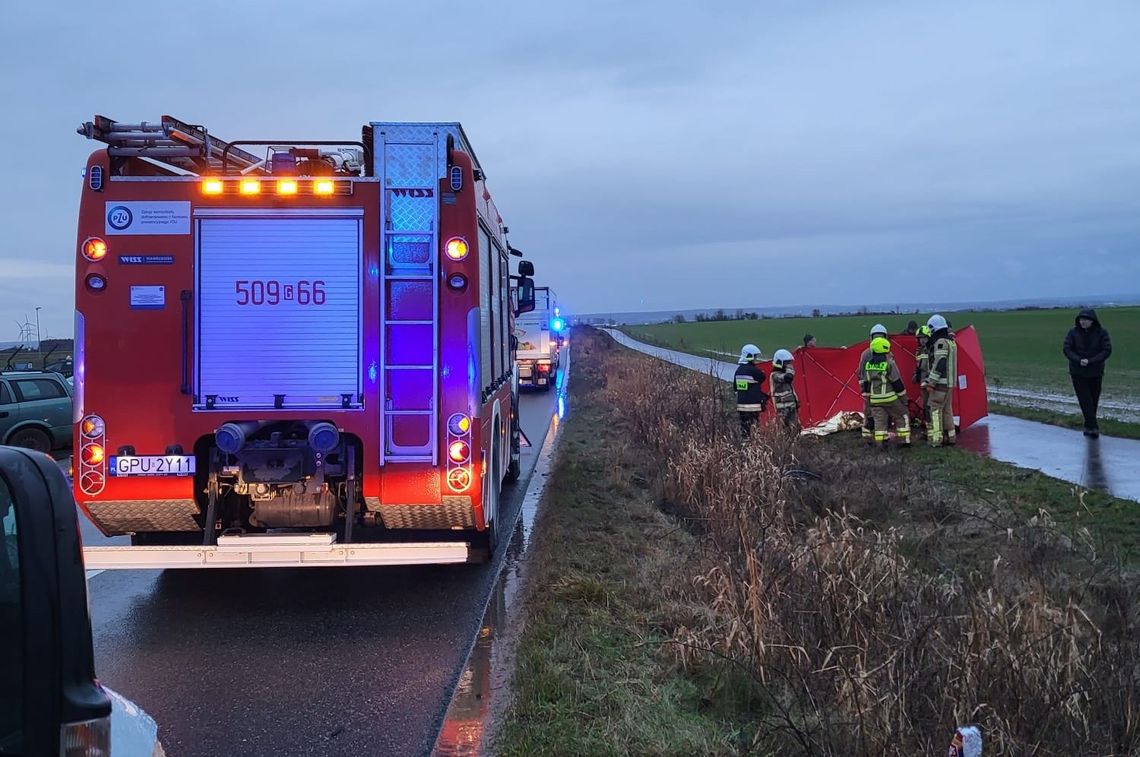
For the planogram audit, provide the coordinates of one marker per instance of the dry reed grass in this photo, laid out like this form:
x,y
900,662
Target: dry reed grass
x,y
875,610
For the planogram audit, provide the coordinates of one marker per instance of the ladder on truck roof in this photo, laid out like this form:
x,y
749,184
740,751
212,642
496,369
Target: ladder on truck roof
x,y
409,158
187,146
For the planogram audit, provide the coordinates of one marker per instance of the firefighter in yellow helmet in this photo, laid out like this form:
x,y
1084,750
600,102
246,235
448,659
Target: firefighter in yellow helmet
x,y
884,391
783,393
749,383
922,370
868,418
940,382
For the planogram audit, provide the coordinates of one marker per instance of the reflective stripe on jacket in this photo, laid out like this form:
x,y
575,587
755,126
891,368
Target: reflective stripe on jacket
x,y
881,380
749,383
943,361
783,393
921,366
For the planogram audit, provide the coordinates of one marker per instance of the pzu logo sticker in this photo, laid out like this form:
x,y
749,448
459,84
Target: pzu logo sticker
x,y
119,217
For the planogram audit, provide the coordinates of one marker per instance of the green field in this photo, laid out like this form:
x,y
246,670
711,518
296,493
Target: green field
x,y
1022,349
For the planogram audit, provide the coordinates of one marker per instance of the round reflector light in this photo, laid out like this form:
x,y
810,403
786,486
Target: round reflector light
x,y
94,249
93,454
458,479
92,482
457,248
95,282
459,424
457,281
459,451
93,426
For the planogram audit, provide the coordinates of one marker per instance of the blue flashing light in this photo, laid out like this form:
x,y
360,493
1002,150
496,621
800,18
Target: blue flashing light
x,y
374,271
373,372
557,324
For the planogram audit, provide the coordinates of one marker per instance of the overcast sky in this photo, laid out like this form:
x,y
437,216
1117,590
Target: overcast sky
x,y
645,155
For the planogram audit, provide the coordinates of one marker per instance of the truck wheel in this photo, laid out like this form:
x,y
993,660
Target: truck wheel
x,y
486,541
31,438
514,468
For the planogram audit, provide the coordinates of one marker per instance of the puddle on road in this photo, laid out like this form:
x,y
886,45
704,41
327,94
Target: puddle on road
x,y
481,694
1108,463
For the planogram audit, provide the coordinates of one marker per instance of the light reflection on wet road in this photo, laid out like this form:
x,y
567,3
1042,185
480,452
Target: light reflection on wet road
x,y
1108,463
479,697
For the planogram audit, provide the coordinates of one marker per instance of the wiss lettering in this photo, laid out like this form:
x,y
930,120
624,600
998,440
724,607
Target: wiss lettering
x,y
413,192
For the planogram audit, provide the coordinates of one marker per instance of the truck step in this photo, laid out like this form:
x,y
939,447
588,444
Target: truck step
x,y
275,551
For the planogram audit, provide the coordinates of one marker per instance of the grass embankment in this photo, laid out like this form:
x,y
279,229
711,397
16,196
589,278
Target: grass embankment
x,y
692,594
608,570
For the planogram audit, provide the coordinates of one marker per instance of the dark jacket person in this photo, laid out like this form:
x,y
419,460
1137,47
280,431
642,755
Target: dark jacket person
x,y
1087,346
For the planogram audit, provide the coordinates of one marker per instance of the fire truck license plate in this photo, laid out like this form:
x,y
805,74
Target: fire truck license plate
x,y
152,465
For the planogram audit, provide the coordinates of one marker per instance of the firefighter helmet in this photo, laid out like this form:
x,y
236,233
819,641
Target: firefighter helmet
x,y
749,353
923,331
937,323
880,345
781,357
877,329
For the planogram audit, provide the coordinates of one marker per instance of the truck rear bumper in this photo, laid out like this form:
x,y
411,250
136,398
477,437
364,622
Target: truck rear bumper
x,y
275,551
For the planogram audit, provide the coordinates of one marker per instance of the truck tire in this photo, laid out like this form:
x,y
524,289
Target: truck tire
x,y
486,541
31,438
514,467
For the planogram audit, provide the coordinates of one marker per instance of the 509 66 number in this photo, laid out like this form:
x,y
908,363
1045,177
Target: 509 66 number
x,y
275,292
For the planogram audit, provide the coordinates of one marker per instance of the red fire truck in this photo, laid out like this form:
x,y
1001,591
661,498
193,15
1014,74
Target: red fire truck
x,y
293,353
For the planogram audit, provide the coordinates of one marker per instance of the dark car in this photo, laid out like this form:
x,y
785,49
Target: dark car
x,y
50,699
35,410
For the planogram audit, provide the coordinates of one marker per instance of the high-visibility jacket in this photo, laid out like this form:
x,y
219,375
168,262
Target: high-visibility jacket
x,y
921,365
750,394
783,393
943,360
880,380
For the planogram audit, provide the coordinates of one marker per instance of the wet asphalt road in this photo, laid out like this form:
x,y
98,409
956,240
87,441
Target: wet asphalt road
x,y
329,661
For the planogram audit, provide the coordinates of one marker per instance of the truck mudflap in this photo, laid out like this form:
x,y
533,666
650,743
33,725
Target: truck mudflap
x,y
275,551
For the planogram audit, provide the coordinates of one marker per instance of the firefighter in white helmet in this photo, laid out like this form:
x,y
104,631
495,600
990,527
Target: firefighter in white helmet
x,y
783,392
940,382
868,417
749,382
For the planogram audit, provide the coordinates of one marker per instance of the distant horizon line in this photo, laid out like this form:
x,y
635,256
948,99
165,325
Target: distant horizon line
x,y
1115,300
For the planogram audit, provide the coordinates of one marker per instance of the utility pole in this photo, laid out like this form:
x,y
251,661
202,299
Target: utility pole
x,y
39,347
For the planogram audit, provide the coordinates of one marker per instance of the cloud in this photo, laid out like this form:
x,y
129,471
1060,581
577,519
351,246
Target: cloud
x,y
730,154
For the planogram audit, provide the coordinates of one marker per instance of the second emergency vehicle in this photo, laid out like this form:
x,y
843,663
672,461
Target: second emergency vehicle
x,y
540,334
